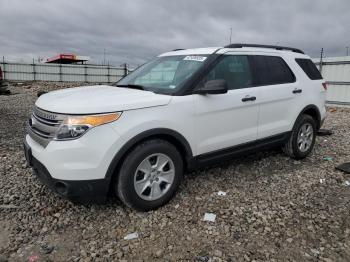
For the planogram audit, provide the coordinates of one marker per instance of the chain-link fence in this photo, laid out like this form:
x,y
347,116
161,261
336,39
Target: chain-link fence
x,y
15,71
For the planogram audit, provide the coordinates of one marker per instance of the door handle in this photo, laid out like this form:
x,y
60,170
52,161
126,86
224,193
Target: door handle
x,y
248,98
297,91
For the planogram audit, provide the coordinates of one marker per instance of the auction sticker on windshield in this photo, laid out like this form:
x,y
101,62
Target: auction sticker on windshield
x,y
195,58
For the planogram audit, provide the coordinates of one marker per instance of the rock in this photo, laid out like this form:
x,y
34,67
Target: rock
x,y
83,253
289,240
119,254
218,253
159,253
46,249
202,258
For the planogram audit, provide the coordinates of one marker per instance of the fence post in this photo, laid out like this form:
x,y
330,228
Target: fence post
x,y
85,73
34,78
60,72
3,67
125,69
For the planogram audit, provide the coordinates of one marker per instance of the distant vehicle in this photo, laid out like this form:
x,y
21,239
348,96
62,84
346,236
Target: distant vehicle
x,y
181,111
3,84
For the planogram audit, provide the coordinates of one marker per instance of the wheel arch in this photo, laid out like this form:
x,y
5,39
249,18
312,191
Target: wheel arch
x,y
173,137
314,112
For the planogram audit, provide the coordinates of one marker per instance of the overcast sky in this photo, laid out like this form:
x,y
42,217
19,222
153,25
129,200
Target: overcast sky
x,y
133,31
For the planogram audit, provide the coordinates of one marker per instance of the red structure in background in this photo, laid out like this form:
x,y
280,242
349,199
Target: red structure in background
x,y
67,59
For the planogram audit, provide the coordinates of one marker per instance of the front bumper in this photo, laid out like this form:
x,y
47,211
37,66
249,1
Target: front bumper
x,y
82,191
76,169
86,158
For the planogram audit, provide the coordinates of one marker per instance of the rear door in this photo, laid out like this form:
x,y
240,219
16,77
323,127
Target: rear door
x,y
279,94
226,120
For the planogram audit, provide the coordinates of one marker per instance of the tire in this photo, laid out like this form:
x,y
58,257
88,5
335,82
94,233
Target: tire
x,y
141,183
296,149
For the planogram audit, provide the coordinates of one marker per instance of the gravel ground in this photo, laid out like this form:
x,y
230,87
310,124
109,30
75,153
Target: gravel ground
x,y
275,208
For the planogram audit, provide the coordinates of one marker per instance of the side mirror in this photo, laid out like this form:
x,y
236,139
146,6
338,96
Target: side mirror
x,y
213,87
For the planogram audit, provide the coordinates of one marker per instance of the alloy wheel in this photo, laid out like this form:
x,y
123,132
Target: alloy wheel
x,y
154,176
305,137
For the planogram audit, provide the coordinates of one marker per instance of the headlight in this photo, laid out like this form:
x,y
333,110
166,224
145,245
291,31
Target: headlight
x,y
75,126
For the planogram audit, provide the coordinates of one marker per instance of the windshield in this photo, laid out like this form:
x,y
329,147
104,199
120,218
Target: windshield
x,y
163,74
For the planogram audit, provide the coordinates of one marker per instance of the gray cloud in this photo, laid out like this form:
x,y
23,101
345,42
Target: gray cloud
x,y
134,31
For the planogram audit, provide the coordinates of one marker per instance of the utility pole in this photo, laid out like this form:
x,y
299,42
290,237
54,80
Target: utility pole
x,y
230,35
104,56
347,51
321,60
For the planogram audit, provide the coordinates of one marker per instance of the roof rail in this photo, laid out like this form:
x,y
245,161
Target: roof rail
x,y
265,46
178,49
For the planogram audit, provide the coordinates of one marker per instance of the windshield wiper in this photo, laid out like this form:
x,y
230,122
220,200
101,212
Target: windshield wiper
x,y
140,87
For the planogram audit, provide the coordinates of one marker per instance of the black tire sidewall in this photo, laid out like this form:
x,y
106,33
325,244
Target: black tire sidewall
x,y
301,121
125,182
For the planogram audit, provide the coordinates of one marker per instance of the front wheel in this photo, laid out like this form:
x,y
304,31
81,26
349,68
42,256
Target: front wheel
x,y
150,175
302,139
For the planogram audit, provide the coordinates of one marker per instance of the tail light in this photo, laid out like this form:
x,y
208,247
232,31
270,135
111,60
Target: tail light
x,y
324,86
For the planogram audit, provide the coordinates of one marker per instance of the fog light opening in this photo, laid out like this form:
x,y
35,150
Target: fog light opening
x,y
61,188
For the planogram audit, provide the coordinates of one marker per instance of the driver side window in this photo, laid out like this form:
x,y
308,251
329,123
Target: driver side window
x,y
234,69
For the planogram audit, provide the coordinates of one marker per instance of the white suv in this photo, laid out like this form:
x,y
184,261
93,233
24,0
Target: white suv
x,y
178,112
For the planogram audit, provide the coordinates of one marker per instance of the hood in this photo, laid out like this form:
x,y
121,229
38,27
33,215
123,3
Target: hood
x,y
99,99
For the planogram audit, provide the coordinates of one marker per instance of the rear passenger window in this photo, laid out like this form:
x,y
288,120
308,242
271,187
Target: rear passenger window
x,y
271,70
309,68
234,69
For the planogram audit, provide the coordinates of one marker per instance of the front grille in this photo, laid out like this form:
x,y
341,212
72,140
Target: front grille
x,y
42,125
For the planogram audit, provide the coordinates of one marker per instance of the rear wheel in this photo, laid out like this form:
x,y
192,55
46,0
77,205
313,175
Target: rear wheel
x,y
302,139
150,175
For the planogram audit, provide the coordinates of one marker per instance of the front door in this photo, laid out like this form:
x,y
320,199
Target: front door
x,y
226,120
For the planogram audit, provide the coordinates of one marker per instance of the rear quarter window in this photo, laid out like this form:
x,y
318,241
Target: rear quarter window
x,y
309,68
271,70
